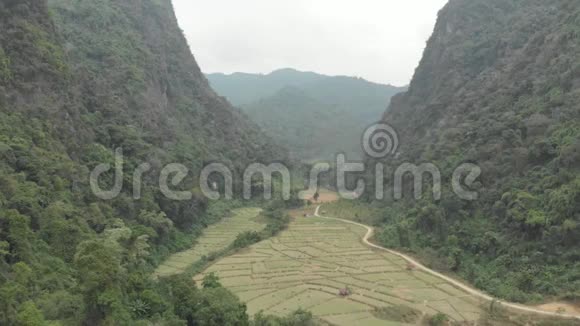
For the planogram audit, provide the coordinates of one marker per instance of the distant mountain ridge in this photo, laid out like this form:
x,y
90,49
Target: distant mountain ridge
x,y
314,115
242,88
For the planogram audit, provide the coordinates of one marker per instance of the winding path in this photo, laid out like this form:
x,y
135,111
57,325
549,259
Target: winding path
x,y
462,286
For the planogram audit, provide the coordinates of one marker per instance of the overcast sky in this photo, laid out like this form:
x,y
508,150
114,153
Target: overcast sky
x,y
379,40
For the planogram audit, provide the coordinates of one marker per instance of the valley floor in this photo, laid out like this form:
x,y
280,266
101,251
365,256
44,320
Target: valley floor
x,y
215,238
307,265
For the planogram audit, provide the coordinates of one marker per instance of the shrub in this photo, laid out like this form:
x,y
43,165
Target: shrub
x,y
439,319
246,239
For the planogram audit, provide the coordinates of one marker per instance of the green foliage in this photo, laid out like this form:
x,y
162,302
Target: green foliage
x,y
208,306
48,50
18,235
183,296
5,72
246,239
62,305
219,307
101,275
211,281
439,320
519,240
69,96
277,218
29,315
356,211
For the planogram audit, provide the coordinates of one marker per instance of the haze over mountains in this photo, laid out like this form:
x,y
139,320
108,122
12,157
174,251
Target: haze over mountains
x,y
315,116
82,80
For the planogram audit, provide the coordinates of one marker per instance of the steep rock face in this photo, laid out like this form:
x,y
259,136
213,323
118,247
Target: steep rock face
x,y
34,77
498,86
133,61
485,52
79,79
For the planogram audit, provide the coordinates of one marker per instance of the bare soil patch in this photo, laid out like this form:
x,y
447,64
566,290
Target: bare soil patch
x,y
563,307
326,196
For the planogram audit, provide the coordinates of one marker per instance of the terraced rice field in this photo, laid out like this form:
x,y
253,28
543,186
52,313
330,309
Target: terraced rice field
x,y
215,238
307,265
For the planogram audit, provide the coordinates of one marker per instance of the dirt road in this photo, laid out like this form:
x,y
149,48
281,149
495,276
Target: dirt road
x,y
456,283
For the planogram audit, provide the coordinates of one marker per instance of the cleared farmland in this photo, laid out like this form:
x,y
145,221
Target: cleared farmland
x,y
307,265
215,238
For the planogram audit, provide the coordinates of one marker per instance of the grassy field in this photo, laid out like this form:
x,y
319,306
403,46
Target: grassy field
x,y
307,265
215,238
354,210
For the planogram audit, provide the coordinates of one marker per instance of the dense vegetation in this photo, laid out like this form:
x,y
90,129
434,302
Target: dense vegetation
x,y
498,86
314,116
77,80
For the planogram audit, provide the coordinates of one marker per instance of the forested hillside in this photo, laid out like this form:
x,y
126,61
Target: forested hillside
x,y
79,79
499,86
314,116
245,88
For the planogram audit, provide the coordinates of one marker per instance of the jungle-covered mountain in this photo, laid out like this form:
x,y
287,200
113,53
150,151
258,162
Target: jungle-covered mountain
x,y
498,86
315,116
79,79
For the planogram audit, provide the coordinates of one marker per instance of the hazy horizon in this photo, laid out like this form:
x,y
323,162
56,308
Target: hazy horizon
x,y
379,41
301,71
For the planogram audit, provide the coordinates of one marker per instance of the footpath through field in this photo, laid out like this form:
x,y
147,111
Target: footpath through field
x,y
322,265
460,285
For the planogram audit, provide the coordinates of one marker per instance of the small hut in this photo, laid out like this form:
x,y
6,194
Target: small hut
x,y
344,292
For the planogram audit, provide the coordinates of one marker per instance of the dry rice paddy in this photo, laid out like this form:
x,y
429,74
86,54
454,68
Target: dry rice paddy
x,y
215,238
307,265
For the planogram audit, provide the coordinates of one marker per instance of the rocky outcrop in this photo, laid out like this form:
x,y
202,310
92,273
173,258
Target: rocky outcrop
x,y
498,86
